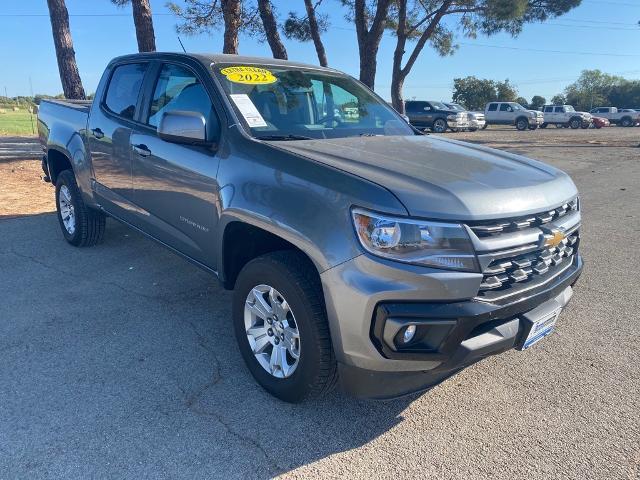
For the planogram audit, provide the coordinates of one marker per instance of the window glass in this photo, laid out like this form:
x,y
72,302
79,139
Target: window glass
x,y
286,101
548,109
569,108
558,110
124,87
415,107
504,107
493,107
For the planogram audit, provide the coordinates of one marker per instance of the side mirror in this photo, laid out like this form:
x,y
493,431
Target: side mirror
x,y
183,127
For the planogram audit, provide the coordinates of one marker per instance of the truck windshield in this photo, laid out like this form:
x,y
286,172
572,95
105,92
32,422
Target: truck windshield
x,y
290,103
569,108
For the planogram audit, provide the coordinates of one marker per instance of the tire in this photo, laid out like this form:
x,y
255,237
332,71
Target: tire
x,y
584,125
484,127
81,226
598,126
533,127
544,125
522,124
473,129
575,123
626,122
439,126
293,278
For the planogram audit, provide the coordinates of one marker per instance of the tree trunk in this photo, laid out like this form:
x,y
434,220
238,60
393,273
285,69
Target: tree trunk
x,y
231,11
144,26
271,29
69,75
315,33
369,38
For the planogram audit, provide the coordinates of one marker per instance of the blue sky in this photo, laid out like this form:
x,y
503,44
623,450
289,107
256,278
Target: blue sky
x,y
601,34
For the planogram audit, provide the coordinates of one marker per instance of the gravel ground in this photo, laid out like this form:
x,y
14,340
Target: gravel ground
x,y
119,361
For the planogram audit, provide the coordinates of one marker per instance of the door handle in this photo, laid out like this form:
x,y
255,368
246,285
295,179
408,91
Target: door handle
x,y
97,132
142,150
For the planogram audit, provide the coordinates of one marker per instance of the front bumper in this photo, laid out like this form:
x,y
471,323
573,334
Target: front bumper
x,y
373,300
458,123
477,123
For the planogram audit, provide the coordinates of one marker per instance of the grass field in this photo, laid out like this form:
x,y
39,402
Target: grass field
x,y
17,123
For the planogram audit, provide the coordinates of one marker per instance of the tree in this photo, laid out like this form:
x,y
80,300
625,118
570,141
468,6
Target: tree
x,y
506,92
423,21
522,101
143,22
370,17
591,89
559,99
537,102
67,66
309,28
271,29
207,15
625,95
475,93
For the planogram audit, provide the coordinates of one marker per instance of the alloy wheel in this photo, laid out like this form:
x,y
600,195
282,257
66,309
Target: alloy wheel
x,y
67,210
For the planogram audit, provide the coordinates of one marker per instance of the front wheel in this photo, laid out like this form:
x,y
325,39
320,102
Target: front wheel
x,y
281,326
440,126
484,127
626,122
81,225
522,124
544,125
585,125
533,127
473,129
575,123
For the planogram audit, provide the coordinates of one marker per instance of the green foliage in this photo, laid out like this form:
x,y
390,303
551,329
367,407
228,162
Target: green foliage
x,y
475,93
205,16
297,27
21,122
559,99
592,89
537,102
522,101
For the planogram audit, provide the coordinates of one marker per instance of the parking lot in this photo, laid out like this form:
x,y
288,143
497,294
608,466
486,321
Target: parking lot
x,y
120,361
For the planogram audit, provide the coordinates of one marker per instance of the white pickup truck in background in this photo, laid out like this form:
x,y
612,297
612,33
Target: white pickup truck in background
x,y
626,117
565,116
511,113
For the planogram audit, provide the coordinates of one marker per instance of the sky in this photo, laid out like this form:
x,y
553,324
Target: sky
x,y
542,60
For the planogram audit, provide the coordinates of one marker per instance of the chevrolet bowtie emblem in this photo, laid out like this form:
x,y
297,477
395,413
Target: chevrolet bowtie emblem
x,y
554,238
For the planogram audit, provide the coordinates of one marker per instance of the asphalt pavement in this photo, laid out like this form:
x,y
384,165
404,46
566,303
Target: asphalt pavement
x,y
119,361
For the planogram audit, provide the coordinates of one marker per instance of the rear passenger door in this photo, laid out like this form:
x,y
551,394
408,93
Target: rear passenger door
x,y
418,114
175,185
491,113
111,122
505,114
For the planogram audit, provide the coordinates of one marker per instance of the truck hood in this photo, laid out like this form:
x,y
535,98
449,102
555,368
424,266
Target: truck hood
x,y
439,178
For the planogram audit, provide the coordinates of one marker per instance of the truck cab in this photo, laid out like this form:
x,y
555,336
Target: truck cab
x,y
565,116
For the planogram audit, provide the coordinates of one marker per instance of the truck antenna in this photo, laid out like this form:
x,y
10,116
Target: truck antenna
x,y
183,49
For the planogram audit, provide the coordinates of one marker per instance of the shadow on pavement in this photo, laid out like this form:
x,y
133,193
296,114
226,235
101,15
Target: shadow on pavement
x,y
120,360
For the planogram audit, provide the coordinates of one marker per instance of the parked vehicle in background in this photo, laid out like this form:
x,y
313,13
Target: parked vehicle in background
x,y
565,116
435,116
627,117
360,251
511,113
476,119
599,122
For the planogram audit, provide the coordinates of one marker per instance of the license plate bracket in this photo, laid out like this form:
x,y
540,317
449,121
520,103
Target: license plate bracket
x,y
539,328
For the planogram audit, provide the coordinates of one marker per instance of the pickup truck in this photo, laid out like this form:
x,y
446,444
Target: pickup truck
x,y
511,113
476,119
564,116
435,116
626,117
361,252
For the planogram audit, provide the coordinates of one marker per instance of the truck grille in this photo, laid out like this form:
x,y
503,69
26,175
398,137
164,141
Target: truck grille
x,y
526,263
514,224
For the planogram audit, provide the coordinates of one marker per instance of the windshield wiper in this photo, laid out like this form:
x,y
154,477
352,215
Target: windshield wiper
x,y
283,137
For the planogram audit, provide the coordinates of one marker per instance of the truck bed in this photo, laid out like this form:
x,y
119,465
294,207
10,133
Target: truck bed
x,y
60,120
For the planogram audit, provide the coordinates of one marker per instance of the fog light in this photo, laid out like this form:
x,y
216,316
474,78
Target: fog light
x,y
409,333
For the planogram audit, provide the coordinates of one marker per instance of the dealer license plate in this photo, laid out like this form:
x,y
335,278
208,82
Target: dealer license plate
x,y
541,329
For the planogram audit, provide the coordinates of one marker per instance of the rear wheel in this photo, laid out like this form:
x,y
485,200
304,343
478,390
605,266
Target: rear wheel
x,y
522,123
281,326
81,225
440,126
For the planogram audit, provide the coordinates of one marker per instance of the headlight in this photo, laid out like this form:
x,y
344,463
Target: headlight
x,y
452,117
420,242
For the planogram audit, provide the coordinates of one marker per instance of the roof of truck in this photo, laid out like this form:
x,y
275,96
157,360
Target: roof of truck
x,y
212,58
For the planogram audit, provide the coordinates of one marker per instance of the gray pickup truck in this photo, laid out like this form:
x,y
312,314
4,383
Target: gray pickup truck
x,y
361,252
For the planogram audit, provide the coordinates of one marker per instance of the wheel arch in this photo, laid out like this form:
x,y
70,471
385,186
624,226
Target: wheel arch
x,y
57,161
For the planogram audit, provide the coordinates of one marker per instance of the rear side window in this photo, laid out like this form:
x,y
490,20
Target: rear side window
x,y
415,107
178,88
504,107
124,88
493,107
